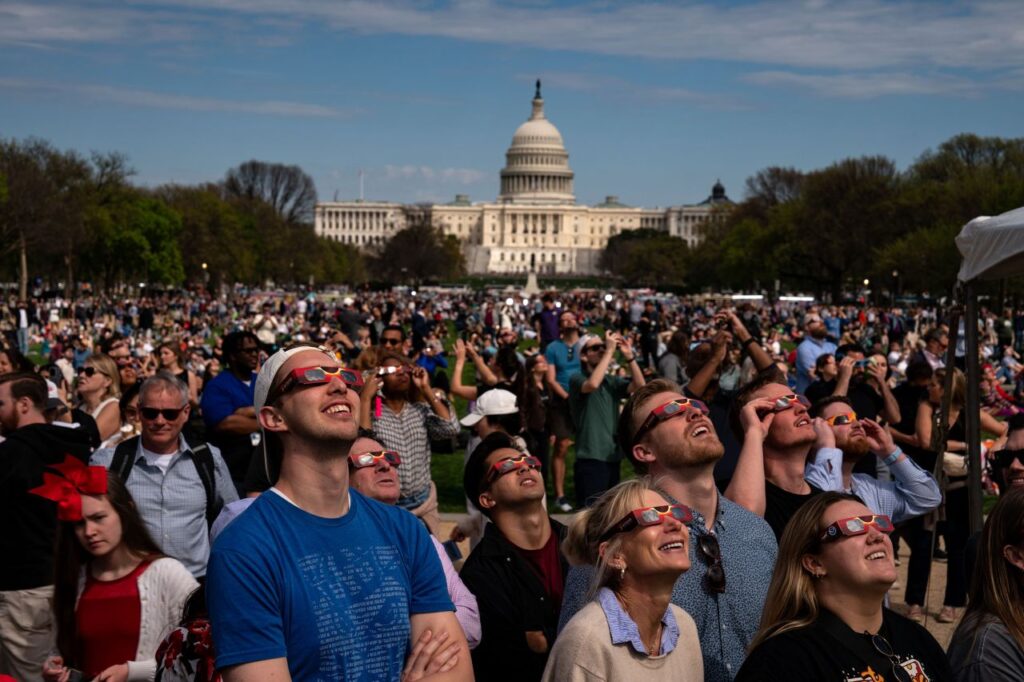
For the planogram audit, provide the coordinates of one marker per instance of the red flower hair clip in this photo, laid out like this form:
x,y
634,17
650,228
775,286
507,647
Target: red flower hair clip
x,y
76,479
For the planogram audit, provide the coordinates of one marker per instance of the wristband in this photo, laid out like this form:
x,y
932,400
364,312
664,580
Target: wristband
x,y
630,360
891,459
749,340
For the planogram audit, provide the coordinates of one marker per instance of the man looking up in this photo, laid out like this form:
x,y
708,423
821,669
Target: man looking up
x,y
594,397
773,485
669,437
227,404
563,362
912,494
517,570
177,487
315,581
30,522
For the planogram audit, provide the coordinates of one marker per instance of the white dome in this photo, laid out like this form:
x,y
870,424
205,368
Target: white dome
x,y
536,163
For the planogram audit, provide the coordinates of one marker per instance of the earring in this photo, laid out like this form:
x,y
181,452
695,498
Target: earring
x,y
622,573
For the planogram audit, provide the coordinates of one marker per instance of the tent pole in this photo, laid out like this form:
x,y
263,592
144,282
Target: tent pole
x,y
973,408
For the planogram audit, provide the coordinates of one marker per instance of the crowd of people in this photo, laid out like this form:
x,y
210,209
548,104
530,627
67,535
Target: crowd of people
x,y
241,487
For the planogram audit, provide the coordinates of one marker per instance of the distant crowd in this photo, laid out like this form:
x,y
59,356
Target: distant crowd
x,y
241,487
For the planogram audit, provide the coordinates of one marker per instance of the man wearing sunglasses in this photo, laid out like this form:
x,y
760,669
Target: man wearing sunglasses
x,y
671,438
771,482
315,581
178,487
914,491
517,571
594,397
563,362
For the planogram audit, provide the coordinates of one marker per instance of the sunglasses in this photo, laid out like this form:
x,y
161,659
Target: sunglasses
x,y
857,525
649,516
1004,458
673,408
783,403
883,647
392,369
711,552
371,459
596,346
151,413
511,464
314,376
90,372
842,419
390,341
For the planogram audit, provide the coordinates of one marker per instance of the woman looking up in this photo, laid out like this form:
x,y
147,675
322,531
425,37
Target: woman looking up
x,y
823,618
639,543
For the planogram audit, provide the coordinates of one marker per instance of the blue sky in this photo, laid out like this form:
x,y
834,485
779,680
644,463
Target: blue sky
x,y
654,100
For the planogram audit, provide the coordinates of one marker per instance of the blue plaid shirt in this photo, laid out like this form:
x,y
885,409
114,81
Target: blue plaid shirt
x,y
173,505
726,622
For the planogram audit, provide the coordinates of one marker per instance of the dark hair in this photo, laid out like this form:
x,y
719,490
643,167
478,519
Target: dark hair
x,y
679,345
476,466
1016,422
115,339
820,406
626,428
18,361
232,343
698,357
71,557
394,328
27,385
511,424
179,354
822,360
512,370
127,397
848,348
768,375
919,370
413,393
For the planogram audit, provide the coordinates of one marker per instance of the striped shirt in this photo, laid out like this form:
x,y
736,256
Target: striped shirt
x,y
409,432
173,505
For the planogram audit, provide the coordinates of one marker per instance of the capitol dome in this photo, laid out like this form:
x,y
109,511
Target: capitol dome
x,y
536,164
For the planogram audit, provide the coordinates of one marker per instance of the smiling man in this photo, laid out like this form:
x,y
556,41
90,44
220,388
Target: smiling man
x,y
315,581
517,571
178,487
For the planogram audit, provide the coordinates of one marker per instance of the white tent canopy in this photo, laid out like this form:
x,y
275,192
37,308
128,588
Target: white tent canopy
x,y
992,248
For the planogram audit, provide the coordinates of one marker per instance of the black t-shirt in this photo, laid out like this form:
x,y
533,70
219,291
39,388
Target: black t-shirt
x,y
780,505
829,651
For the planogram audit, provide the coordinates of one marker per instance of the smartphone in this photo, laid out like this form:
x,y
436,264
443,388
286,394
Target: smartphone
x,y
861,364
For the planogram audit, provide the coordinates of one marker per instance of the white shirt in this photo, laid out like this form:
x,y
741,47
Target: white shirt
x,y
158,460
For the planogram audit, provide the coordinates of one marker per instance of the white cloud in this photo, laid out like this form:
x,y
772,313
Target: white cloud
x,y
460,176
867,85
161,100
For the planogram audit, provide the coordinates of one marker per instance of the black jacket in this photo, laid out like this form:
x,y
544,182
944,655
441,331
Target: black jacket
x,y
512,601
30,521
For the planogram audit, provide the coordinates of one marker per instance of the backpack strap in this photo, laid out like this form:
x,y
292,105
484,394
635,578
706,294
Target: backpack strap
x,y
203,460
124,458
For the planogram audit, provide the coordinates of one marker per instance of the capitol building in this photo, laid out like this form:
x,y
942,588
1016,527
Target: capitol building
x,y
534,225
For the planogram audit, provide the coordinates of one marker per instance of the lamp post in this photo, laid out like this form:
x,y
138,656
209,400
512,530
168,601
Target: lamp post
x,y
895,286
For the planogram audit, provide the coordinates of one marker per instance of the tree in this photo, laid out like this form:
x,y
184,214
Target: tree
x,y
420,253
646,257
287,189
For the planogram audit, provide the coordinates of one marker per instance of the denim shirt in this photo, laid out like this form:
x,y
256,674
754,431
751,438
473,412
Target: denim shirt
x,y
726,622
624,630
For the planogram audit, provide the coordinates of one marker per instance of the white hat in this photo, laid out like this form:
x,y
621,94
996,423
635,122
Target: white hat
x,y
265,379
494,402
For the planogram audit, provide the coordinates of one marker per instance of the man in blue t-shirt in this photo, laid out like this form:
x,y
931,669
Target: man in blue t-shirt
x,y
316,582
563,362
227,404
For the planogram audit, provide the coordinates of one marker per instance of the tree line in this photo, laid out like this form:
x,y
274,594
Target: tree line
x,y
827,230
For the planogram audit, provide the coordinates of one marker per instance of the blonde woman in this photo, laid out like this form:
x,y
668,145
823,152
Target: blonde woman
x,y
639,543
823,618
99,388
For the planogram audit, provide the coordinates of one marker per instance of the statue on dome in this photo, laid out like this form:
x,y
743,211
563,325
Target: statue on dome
x,y
536,95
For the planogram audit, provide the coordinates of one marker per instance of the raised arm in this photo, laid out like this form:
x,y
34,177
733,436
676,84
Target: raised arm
x,y
747,485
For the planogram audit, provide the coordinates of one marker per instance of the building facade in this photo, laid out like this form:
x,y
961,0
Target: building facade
x,y
534,225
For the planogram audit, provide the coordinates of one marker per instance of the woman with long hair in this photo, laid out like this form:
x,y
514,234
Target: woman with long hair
x,y
988,645
11,360
99,388
824,617
172,359
115,594
957,517
536,401
639,543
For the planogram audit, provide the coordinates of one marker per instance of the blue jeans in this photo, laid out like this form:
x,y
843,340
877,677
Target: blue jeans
x,y
23,340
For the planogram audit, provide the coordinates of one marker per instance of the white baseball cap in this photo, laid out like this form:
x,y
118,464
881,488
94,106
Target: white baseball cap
x,y
494,402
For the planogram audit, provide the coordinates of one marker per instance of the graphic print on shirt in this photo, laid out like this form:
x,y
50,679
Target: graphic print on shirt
x,y
357,598
913,668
